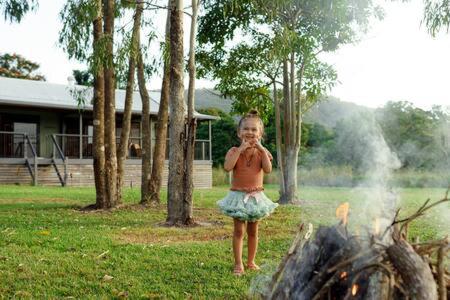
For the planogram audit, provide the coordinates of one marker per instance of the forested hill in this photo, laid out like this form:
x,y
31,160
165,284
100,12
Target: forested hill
x,y
208,98
330,110
327,112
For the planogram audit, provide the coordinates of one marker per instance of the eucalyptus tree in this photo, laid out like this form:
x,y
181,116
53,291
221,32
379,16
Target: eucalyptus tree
x,y
14,10
91,22
82,38
191,122
152,173
175,194
288,35
126,121
437,15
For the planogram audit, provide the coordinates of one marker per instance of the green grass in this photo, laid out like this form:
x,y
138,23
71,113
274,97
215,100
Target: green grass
x,y
51,249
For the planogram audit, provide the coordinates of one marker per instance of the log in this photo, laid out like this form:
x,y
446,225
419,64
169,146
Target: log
x,y
350,249
441,272
415,273
308,260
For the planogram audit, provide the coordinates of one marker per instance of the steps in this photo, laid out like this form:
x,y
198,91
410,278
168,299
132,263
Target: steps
x,y
19,174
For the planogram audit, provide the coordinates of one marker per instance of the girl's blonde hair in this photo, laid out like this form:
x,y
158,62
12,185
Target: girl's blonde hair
x,y
253,113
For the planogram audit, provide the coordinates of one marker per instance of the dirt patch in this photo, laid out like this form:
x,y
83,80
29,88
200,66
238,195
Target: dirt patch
x,y
203,231
34,200
92,208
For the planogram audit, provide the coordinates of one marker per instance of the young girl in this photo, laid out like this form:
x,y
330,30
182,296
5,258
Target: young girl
x,y
246,203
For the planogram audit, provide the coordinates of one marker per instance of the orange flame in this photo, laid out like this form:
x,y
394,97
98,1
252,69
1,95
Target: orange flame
x,y
342,212
354,289
343,275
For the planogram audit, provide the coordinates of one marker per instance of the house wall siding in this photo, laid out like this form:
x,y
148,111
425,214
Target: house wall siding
x,y
81,174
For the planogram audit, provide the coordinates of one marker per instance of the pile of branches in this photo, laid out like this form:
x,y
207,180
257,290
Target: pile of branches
x,y
339,265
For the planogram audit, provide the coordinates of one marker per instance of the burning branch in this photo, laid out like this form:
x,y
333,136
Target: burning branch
x,y
420,212
338,264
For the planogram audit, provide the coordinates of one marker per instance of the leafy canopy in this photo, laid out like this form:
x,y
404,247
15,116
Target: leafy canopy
x,y
14,10
242,44
437,15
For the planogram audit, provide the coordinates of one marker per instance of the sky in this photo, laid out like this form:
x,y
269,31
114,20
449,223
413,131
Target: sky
x,y
396,60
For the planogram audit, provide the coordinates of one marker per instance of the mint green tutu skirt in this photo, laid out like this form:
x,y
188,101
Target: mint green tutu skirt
x,y
246,206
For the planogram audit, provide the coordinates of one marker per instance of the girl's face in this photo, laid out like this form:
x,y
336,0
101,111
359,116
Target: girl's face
x,y
250,130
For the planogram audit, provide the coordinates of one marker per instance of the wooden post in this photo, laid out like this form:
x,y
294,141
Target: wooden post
x,y
203,150
80,146
24,145
35,181
210,139
63,144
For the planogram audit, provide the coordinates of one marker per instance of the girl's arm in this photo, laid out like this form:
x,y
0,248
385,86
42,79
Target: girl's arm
x,y
231,159
265,157
233,155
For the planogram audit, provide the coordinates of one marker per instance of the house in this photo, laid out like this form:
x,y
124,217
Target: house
x,y
46,137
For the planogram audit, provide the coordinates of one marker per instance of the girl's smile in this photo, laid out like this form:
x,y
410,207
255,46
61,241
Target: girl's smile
x,y
250,130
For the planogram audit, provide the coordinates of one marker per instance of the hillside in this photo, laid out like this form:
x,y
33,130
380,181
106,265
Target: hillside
x,y
327,112
330,110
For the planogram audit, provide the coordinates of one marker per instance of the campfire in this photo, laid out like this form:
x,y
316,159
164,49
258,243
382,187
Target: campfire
x,y
381,265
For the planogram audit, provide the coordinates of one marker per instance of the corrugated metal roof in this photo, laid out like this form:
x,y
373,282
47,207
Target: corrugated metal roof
x,y
22,92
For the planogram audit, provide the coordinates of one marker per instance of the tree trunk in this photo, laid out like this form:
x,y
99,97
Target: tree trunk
x,y
293,127
286,122
126,121
278,137
286,103
175,194
99,116
146,136
191,124
290,179
110,110
154,185
292,134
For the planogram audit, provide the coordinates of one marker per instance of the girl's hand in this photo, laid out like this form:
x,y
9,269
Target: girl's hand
x,y
244,145
259,146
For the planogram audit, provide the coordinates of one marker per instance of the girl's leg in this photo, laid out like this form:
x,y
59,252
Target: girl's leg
x,y
252,233
238,237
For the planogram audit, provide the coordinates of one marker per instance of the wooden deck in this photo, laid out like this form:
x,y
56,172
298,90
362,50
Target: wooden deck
x,y
80,173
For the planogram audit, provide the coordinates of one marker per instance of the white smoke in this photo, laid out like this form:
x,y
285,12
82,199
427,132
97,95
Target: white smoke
x,y
379,201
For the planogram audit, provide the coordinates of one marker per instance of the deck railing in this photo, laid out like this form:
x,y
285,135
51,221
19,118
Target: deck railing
x,y
19,145
57,153
75,146
13,144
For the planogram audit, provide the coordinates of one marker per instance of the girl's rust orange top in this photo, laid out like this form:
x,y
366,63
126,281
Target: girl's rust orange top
x,y
248,173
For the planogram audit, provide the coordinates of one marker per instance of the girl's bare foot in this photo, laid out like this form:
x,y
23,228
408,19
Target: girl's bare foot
x,y
253,266
238,270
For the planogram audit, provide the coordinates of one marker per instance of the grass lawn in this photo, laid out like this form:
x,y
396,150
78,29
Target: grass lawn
x,y
51,249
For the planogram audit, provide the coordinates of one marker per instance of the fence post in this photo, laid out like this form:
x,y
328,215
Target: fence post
x,y
35,181
203,150
24,145
81,136
210,138
53,138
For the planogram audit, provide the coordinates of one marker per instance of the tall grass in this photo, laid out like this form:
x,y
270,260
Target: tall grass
x,y
343,176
